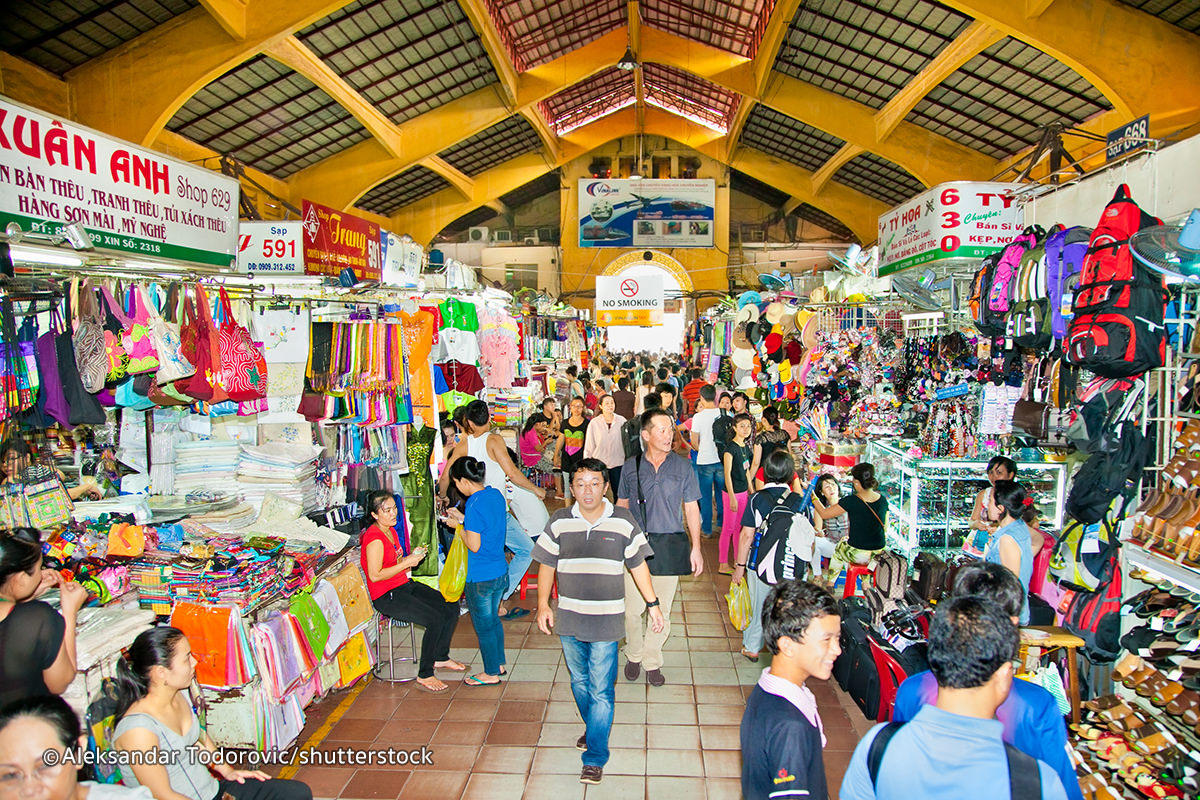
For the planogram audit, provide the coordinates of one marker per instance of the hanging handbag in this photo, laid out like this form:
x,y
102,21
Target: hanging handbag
x,y
83,407
208,383
27,336
164,332
14,369
143,355
50,396
114,324
312,622
91,364
242,361
128,396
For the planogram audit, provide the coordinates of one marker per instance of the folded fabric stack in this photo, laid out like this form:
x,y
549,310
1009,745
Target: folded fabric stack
x,y
205,465
288,470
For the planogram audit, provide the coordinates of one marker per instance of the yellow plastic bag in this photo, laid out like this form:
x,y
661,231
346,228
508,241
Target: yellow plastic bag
x,y
738,598
454,571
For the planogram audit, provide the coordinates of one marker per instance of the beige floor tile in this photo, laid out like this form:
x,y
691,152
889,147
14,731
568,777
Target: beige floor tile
x,y
629,787
532,672
671,713
631,691
486,786
690,788
672,737
554,787
715,676
562,712
723,788
722,763
532,656
634,713
671,693
504,758
626,736
560,734
626,761
720,695
557,761
685,763
721,737
561,692
720,715
673,658
706,660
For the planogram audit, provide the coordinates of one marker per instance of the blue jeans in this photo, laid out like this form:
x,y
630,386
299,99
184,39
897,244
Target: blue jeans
x,y
711,477
593,667
483,601
518,542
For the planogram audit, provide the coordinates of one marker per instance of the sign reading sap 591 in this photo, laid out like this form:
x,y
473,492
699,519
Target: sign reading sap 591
x,y
961,219
54,173
1127,138
275,248
628,300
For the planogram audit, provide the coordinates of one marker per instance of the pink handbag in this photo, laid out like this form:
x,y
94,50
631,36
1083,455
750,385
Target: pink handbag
x,y
242,362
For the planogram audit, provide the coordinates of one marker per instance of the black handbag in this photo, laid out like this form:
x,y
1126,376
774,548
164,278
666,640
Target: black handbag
x,y
672,551
85,409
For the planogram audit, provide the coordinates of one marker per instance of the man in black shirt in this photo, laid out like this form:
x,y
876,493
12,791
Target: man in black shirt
x,y
782,736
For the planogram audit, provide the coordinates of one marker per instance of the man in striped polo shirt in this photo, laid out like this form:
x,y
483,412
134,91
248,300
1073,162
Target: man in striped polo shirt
x,y
590,545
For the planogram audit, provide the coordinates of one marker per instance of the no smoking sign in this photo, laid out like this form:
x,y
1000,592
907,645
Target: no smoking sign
x,y
629,287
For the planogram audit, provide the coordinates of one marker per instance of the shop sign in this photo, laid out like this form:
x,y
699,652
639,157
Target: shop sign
x,y
54,173
274,248
646,213
1127,138
628,300
336,240
947,392
962,219
402,260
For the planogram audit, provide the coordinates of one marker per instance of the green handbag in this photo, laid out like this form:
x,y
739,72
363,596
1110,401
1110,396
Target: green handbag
x,y
312,622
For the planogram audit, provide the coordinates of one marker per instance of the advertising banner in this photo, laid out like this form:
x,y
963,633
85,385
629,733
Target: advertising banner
x,y
646,213
274,248
961,219
336,240
54,173
629,301
402,260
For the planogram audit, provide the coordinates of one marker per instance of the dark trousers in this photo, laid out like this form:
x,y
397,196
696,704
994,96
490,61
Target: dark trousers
x,y
274,789
416,603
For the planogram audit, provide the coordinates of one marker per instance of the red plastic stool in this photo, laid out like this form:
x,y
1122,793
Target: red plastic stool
x,y
853,573
529,581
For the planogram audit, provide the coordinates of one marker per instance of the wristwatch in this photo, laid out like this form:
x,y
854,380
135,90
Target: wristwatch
x,y
653,603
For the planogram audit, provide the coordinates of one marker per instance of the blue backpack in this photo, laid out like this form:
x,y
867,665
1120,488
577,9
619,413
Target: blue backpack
x,y
1065,250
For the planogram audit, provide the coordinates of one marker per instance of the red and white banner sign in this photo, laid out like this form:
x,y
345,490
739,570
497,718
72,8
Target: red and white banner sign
x,y
335,240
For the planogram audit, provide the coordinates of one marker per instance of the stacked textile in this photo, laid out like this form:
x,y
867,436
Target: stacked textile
x,y
288,470
205,465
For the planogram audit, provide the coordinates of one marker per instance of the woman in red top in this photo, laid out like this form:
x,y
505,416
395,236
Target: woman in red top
x,y
386,562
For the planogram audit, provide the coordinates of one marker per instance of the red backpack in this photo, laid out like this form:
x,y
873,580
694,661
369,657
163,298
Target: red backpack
x,y
1096,616
1118,330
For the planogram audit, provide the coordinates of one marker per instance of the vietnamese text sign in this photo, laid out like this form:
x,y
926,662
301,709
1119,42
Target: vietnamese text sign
x,y
628,300
646,213
53,173
336,240
402,260
275,248
962,219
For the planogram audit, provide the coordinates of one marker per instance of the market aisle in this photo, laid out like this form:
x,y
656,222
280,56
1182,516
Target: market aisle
x,y
517,740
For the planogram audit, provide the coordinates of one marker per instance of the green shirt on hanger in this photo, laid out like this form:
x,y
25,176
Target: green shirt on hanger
x,y
459,314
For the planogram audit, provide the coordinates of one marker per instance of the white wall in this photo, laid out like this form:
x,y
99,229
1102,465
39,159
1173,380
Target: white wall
x,y
1165,183
494,259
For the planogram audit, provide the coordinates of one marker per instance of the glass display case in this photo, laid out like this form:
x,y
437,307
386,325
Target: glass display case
x,y
930,500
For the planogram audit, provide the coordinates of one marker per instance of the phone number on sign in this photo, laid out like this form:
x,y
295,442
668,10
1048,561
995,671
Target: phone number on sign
x,y
333,757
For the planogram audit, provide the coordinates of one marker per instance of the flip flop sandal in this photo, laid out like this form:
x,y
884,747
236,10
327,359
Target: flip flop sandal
x,y
1186,705
1087,732
1132,722
473,680
1156,790
1143,673
1163,648
1116,712
1109,746
1101,703
1183,621
1152,685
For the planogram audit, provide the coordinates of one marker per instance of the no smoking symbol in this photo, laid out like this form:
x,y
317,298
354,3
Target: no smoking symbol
x,y
629,287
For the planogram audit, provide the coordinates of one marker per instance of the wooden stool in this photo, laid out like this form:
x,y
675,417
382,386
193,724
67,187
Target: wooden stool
x,y
853,573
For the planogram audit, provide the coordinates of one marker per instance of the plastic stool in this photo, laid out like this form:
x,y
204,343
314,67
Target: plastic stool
x,y
853,573
387,624
529,581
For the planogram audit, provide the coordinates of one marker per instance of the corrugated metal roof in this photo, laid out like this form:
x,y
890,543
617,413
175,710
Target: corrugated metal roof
x,y
689,96
539,186
763,192
470,220
731,25
877,177
1184,13
783,137
1000,99
508,139
408,187
830,223
58,35
598,96
537,31
269,117
866,50
405,56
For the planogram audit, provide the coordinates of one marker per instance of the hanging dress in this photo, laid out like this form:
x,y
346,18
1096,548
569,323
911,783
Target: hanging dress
x,y
418,498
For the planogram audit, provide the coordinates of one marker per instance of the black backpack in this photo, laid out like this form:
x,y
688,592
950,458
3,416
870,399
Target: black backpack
x,y
1024,779
1107,475
986,321
631,437
722,429
772,559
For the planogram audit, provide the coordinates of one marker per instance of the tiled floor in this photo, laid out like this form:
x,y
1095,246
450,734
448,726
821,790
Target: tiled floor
x,y
517,740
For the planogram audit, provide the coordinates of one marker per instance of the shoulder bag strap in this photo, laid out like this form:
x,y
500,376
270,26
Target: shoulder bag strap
x,y
879,746
641,497
1024,778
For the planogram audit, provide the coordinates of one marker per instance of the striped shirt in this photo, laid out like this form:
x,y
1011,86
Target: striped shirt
x,y
591,559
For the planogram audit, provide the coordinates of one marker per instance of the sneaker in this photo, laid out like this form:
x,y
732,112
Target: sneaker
x,y
581,742
654,677
632,670
591,774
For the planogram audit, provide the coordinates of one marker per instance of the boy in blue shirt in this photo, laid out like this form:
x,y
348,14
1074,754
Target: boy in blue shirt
x,y
955,749
1030,715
